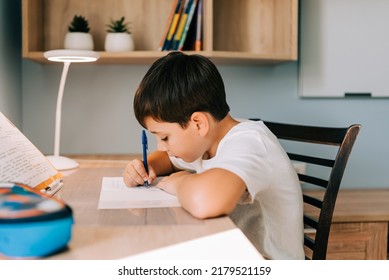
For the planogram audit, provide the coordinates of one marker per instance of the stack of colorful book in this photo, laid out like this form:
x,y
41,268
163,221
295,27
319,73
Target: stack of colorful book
x,y
184,27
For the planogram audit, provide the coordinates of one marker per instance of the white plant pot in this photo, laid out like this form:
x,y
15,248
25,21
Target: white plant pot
x,y
78,41
118,42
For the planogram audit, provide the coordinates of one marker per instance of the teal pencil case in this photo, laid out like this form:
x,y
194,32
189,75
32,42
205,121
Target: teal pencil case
x,y
32,224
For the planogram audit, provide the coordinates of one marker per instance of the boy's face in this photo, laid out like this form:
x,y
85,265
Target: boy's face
x,y
184,143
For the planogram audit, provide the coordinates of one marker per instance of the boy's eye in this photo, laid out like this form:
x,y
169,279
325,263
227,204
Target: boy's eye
x,y
164,138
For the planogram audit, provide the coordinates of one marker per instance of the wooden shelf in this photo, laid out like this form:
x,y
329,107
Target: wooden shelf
x,y
234,31
147,57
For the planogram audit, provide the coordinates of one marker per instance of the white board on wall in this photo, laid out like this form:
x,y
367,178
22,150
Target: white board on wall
x,y
344,48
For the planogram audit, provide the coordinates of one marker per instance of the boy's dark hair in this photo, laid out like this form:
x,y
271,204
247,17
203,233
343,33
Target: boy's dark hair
x,y
176,86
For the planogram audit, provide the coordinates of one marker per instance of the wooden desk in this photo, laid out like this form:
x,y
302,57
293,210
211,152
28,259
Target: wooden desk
x,y
112,234
360,225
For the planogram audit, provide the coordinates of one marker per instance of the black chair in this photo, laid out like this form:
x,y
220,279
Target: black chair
x,y
317,222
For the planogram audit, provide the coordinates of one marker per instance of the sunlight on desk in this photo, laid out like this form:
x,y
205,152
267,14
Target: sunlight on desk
x,y
227,245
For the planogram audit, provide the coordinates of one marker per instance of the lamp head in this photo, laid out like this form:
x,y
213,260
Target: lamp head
x,y
73,56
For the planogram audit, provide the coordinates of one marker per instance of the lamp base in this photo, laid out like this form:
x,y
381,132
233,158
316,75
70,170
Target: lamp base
x,y
62,163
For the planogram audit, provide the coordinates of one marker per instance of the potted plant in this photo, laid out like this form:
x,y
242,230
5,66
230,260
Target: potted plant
x,y
118,38
78,36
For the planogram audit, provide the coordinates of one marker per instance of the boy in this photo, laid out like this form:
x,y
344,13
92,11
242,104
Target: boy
x,y
215,164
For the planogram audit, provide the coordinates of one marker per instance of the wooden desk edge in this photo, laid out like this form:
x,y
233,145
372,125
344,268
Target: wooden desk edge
x,y
360,205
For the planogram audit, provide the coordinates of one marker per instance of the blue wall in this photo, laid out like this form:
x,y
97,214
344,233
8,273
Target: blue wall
x,y
10,61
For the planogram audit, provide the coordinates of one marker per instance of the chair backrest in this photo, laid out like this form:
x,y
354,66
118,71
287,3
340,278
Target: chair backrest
x,y
317,226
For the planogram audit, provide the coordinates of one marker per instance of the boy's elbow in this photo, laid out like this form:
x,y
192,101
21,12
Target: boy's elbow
x,y
206,202
205,213
202,213
203,209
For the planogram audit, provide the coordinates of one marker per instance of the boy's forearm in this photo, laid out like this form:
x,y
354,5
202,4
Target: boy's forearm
x,y
161,163
210,194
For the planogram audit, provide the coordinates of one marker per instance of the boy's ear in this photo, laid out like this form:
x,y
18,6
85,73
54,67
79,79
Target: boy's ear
x,y
200,123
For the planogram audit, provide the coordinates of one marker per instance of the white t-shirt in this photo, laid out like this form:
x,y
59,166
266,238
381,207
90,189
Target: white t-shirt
x,y
270,213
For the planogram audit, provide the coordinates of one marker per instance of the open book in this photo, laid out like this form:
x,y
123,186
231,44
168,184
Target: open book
x,y
22,163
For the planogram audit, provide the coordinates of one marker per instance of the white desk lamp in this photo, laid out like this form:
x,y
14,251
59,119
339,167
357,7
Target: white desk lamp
x,y
67,57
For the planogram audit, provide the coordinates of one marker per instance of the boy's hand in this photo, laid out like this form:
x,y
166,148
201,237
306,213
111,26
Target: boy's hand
x,y
172,182
135,174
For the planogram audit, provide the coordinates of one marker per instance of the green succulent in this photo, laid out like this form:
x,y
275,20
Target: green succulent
x,y
118,26
79,24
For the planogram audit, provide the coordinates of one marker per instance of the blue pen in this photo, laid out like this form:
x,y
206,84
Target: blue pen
x,y
145,147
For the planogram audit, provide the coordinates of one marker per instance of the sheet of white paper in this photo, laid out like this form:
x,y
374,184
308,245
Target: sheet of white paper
x,y
227,245
116,195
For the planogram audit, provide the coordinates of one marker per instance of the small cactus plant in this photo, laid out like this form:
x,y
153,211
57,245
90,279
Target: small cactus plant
x,y
118,26
79,24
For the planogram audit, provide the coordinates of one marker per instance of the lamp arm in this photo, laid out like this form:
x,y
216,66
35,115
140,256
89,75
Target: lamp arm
x,y
66,65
